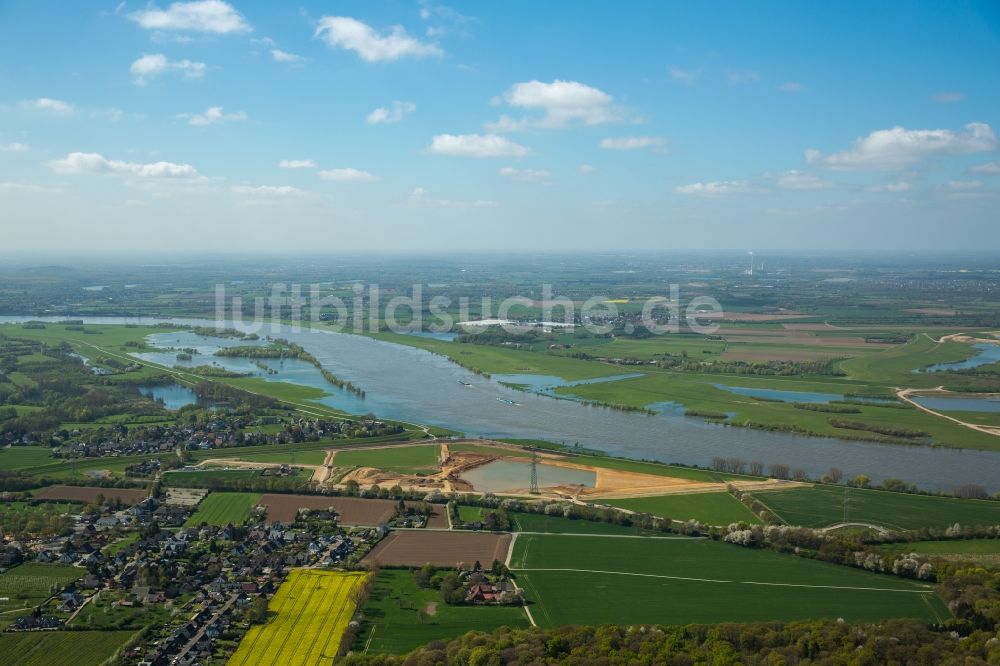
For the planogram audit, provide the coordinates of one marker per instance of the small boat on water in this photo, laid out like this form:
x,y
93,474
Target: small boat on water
x,y
506,401
464,383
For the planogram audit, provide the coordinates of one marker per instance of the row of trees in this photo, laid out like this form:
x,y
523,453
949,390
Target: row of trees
x,y
753,644
825,367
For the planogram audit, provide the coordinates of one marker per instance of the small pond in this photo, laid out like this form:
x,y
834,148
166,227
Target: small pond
x,y
507,475
174,396
986,353
785,396
799,396
446,336
958,404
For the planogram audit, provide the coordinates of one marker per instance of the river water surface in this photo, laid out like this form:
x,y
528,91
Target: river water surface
x,y
409,384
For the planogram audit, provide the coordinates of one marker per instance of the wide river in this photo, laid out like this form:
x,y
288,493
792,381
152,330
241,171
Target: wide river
x,y
409,384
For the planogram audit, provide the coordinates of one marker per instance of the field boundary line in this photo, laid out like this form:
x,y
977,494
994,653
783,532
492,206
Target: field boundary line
x,y
732,582
767,506
555,534
524,602
611,536
510,549
527,611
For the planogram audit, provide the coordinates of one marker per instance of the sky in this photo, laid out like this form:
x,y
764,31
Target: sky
x,y
215,126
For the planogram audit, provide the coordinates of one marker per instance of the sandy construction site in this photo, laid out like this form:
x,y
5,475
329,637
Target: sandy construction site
x,y
608,483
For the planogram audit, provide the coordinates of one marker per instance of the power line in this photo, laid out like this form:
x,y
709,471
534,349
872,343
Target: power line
x,y
847,503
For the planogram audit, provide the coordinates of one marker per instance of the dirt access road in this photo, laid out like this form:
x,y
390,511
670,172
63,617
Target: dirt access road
x,y
320,472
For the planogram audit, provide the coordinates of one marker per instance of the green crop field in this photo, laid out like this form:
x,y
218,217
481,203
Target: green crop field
x,y
695,346
224,508
487,450
896,365
209,475
22,457
470,513
696,391
81,648
182,477
974,551
586,580
400,616
536,522
820,506
405,459
29,584
79,469
499,360
657,469
284,454
709,508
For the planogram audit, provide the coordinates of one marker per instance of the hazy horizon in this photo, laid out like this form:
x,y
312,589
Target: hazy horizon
x,y
216,127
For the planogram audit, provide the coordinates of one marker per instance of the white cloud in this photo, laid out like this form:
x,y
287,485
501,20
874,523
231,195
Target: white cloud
x,y
562,103
899,147
111,114
686,76
351,34
716,189
200,16
392,114
150,66
587,168
284,56
348,174
899,186
743,77
796,180
297,164
77,163
476,145
989,167
790,87
632,142
526,175
964,185
419,199
267,190
14,147
448,19
49,105
947,97
164,38
213,115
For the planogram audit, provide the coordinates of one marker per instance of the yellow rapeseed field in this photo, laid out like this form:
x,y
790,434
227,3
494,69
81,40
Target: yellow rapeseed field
x,y
310,610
